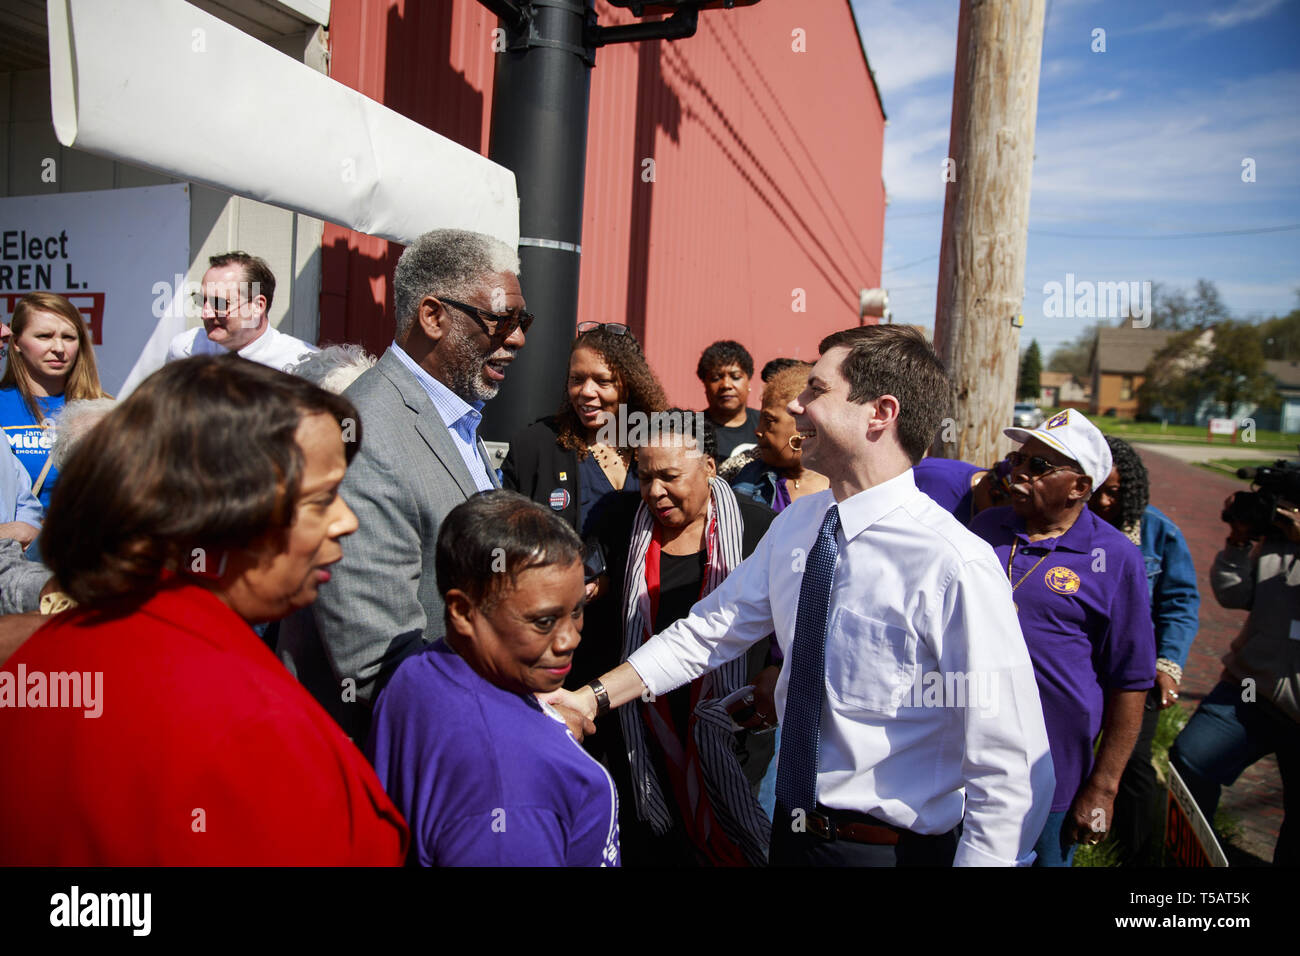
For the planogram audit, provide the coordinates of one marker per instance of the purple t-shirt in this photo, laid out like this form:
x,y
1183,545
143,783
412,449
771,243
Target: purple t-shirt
x,y
1086,618
486,777
947,481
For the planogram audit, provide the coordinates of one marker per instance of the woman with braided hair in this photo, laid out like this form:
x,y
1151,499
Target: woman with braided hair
x,y
1123,501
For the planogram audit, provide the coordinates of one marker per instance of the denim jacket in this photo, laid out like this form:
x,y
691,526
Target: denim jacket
x,y
757,480
1171,578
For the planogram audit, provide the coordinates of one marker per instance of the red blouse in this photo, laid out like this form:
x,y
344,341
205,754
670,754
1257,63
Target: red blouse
x,y
205,750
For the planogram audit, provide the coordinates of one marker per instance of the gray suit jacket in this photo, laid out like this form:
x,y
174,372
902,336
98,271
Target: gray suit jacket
x,y
382,603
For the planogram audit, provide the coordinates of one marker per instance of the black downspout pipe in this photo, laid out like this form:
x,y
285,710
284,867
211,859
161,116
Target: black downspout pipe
x,y
540,104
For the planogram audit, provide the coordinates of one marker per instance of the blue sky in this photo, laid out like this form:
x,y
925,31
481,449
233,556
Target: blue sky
x,y
1144,140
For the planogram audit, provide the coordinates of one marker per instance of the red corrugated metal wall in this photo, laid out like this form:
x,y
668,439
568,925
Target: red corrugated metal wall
x,y
766,188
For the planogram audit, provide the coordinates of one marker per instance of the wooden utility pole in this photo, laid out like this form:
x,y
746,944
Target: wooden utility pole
x,y
985,216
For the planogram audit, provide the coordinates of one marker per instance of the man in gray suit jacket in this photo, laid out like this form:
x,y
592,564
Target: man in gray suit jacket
x,y
460,320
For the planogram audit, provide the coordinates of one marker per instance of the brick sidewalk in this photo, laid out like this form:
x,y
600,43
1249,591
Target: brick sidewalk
x,y
1193,498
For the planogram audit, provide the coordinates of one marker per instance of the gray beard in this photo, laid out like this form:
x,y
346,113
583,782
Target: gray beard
x,y
465,370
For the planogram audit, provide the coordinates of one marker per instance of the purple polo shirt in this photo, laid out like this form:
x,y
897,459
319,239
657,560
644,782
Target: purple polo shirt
x,y
486,777
947,481
1086,618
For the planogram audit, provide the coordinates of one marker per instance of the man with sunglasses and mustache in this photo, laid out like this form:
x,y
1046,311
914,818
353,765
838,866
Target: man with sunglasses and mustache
x,y
1080,592
461,318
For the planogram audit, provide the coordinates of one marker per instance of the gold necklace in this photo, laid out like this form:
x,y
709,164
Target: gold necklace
x,y
1011,557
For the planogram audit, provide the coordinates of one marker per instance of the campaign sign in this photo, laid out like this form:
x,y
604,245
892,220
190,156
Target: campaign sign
x,y
1189,840
110,252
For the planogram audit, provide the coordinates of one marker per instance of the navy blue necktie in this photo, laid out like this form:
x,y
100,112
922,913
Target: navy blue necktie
x,y
796,775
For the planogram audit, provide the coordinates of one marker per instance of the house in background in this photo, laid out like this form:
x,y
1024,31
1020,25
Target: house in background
x,y
1285,418
1119,360
1063,390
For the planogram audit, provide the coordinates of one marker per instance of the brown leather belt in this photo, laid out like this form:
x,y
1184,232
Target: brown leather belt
x,y
853,830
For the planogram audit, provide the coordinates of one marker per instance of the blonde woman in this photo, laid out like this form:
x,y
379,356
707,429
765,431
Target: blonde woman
x,y
51,362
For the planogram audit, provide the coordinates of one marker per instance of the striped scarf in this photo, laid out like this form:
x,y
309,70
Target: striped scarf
x,y
722,817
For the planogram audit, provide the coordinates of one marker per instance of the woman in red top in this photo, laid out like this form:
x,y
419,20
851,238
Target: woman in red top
x,y
150,725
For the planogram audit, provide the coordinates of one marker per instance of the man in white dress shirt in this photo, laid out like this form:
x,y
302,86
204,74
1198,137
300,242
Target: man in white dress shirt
x,y
236,307
912,731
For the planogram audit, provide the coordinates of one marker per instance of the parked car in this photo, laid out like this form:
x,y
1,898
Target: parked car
x,y
1026,416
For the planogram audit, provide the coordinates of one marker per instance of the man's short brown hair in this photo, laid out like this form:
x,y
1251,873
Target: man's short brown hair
x,y
257,273
896,360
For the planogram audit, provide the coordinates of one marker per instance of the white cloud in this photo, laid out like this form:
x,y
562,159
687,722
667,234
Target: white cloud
x,y
1243,11
1097,98
1178,145
1059,67
908,43
913,164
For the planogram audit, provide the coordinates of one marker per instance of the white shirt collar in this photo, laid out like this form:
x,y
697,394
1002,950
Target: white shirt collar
x,y
264,344
861,511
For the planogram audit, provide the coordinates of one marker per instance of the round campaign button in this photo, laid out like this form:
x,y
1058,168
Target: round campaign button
x,y
559,499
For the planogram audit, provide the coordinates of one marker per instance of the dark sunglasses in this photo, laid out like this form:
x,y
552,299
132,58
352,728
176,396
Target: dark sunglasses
x,y
1037,467
492,323
222,307
614,328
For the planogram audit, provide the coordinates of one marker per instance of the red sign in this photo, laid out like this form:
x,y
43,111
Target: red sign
x,y
1189,839
89,304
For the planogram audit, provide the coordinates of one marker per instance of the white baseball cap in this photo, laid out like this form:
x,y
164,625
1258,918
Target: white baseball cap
x,y
1070,433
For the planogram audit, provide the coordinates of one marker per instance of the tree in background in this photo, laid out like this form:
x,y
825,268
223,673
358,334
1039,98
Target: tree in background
x,y
1076,357
1172,379
1177,310
1280,336
1030,385
1224,364
1169,308
1234,374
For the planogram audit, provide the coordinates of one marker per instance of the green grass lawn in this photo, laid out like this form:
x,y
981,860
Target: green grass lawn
x,y
1192,434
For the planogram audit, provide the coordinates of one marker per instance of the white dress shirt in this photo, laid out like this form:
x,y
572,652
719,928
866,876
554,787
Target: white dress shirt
x,y
931,713
273,347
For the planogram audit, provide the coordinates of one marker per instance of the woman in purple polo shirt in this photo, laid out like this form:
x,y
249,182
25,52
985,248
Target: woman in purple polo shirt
x,y
485,773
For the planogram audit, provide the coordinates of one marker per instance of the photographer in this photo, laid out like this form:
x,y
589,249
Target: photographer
x,y
1255,708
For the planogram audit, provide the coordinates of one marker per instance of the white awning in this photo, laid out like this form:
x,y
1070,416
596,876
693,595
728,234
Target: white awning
x,y
162,84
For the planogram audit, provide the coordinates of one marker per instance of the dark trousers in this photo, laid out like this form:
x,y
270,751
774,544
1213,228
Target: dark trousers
x,y
791,848
1224,737
1138,803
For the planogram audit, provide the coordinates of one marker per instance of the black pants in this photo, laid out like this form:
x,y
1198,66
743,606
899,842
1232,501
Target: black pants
x,y
808,849
1137,804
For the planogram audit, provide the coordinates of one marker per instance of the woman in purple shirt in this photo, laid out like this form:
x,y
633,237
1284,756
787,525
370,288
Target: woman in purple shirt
x,y
485,773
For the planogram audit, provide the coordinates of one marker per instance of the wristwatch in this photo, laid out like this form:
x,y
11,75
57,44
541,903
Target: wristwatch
x,y
602,697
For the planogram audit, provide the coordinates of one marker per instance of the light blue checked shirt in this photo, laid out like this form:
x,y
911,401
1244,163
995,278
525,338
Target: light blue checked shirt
x,y
461,418
17,503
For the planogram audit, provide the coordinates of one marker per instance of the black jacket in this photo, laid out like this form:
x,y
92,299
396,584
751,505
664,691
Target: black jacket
x,y
538,467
